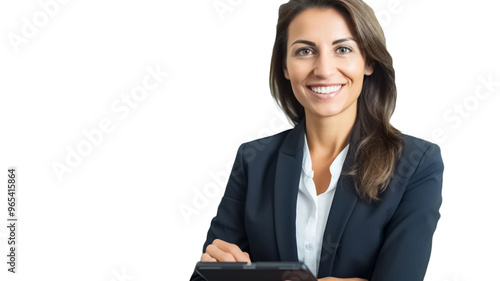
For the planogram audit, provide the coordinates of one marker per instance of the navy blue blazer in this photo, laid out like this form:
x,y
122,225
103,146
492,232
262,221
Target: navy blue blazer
x,y
385,241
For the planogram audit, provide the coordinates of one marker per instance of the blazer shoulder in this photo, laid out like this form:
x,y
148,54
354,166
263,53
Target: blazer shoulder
x,y
420,155
414,142
259,151
269,142
414,145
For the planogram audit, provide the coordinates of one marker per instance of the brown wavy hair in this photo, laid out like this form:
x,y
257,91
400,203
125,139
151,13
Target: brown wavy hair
x,y
377,144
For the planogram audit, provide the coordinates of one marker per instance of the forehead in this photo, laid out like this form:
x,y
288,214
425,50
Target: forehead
x,y
317,24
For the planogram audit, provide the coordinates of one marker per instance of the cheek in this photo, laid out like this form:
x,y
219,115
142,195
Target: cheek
x,y
297,71
355,71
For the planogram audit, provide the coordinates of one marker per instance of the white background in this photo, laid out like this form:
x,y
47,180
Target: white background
x,y
116,215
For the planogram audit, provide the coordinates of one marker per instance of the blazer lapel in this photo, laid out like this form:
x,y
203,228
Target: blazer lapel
x,y
287,178
288,172
342,206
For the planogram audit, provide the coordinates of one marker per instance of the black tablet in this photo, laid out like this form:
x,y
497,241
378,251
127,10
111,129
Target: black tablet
x,y
257,271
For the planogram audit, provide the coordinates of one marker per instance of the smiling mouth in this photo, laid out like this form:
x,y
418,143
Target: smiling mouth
x,y
326,90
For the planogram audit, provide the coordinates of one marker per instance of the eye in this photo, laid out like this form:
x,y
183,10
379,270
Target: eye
x,y
304,52
343,50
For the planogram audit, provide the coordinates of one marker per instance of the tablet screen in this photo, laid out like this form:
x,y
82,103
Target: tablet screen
x,y
257,271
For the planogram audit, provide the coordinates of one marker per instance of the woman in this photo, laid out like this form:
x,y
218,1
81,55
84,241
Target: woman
x,y
343,191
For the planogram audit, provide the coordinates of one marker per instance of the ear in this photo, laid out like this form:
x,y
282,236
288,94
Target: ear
x,y
368,68
286,73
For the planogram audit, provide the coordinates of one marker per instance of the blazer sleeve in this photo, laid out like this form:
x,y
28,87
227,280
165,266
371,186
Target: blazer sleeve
x,y
228,224
406,249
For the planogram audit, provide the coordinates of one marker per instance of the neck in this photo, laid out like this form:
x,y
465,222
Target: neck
x,y
328,136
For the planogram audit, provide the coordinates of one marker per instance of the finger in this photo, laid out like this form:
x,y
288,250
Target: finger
x,y
233,249
207,258
220,255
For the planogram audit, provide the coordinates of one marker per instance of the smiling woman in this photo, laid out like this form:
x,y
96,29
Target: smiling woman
x,y
353,48
318,72
343,191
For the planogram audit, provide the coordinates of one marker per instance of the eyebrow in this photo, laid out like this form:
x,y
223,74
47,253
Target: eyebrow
x,y
333,43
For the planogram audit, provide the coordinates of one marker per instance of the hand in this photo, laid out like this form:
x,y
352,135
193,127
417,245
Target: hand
x,y
340,279
225,252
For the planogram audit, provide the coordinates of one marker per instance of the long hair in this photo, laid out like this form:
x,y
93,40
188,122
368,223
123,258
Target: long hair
x,y
377,144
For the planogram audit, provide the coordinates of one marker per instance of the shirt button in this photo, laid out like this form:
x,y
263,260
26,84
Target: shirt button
x,y
309,247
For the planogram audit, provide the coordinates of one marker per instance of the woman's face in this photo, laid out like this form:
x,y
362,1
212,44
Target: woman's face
x,y
324,64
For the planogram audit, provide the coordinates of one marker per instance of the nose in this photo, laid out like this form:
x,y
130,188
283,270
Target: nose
x,y
324,66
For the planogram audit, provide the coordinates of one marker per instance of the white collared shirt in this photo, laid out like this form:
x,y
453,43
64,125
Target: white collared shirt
x,y
313,209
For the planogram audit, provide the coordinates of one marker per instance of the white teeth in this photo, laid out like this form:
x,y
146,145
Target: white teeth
x,y
326,90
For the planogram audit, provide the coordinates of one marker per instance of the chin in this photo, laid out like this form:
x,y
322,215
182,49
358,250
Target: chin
x,y
328,112
325,114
